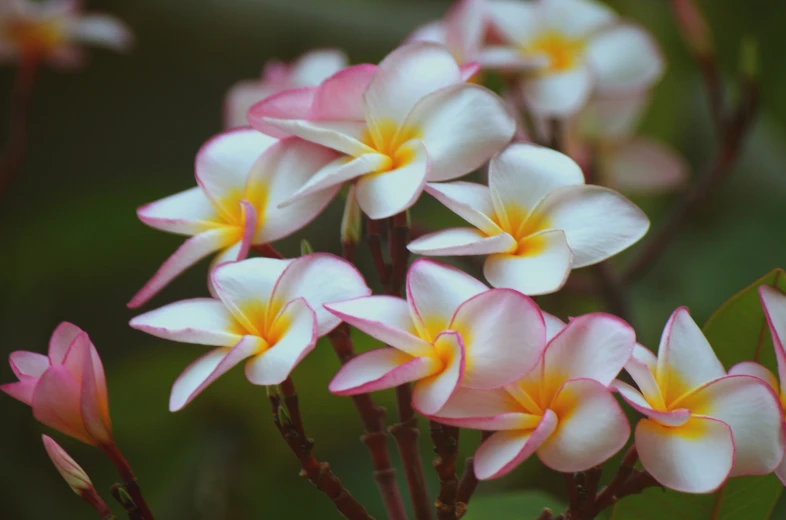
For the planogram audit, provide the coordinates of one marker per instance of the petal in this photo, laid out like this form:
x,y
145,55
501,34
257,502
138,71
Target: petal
x,y
380,369
320,278
276,176
645,166
468,200
434,293
62,337
404,77
780,472
774,303
594,346
56,403
461,241
386,318
100,29
289,104
613,116
94,399
340,97
592,427
314,67
431,393
462,126
554,325
752,410
192,251
598,222
750,368
295,330
72,473
466,27
644,377
505,450
491,410
249,219
577,17
382,195
685,358
21,390
241,97
504,336
230,254
624,57
508,59
435,32
523,174
336,173
693,458
246,289
186,213
342,136
558,94
204,321
637,401
205,370
542,272
223,163
516,21
29,365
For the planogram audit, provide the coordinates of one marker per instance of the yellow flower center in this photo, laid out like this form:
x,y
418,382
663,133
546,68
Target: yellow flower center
x,y
387,138
36,37
521,225
563,52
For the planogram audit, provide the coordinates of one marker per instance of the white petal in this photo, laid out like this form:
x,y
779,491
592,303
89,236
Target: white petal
x,y
380,369
340,97
240,98
186,213
577,17
645,166
292,104
313,67
751,368
99,29
543,271
624,57
342,136
598,222
482,409
201,320
431,393
517,21
613,116
774,302
508,59
468,200
672,418
461,241
558,94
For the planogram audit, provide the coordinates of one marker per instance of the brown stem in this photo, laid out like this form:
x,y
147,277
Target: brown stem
x,y
122,497
318,473
293,406
546,514
446,447
613,290
96,502
375,438
469,482
21,95
129,479
618,487
374,238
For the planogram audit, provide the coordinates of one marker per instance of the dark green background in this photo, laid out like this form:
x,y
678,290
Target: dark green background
x,y
124,131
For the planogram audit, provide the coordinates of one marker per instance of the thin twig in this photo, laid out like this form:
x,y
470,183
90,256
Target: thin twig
x,y
469,482
120,494
21,95
446,447
613,491
374,237
546,514
129,479
613,291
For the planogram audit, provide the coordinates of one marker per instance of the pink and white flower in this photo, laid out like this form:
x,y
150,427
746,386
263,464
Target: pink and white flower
x,y
451,332
536,220
66,388
774,302
268,312
243,175
408,121
52,30
309,70
702,426
562,410
583,48
72,473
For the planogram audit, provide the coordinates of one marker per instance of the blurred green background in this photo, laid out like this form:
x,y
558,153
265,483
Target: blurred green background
x,y
124,131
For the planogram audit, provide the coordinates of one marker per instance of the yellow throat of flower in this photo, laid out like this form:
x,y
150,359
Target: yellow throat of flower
x,y
36,37
563,52
387,138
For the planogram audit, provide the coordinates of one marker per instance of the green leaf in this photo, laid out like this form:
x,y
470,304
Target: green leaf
x,y
512,506
738,332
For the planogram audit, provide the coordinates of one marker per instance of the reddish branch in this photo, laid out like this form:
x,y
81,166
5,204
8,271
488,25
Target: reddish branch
x,y
446,447
21,95
288,421
129,480
469,482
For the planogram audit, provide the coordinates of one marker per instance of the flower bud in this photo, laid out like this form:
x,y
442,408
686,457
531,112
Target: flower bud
x,y
75,476
305,247
352,221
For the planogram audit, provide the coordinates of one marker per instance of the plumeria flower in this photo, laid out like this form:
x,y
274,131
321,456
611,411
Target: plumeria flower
x,y
450,332
774,303
416,121
536,220
243,176
309,70
268,312
52,30
562,410
583,47
66,388
702,426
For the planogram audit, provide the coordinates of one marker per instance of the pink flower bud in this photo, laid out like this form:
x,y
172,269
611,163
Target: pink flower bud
x,y
67,388
74,475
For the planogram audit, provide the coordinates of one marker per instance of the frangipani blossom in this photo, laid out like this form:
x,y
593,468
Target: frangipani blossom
x,y
583,47
309,70
66,388
562,410
536,220
774,303
416,121
702,426
268,312
450,332
52,30
243,175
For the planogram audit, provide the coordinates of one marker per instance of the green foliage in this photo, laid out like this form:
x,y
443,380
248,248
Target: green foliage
x,y
512,506
738,332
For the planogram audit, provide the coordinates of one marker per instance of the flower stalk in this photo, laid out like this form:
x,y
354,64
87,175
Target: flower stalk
x,y
21,96
446,442
129,480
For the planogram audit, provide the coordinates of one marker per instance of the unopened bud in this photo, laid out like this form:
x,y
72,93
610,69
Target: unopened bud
x,y
74,475
352,221
283,416
305,248
749,58
693,26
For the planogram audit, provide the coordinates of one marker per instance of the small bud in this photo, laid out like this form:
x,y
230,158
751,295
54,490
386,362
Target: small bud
x,y
352,221
283,416
693,26
749,58
305,248
74,475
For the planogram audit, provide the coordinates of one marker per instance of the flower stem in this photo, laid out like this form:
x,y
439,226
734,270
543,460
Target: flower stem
x,y
446,447
288,421
96,502
129,479
21,95
469,482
